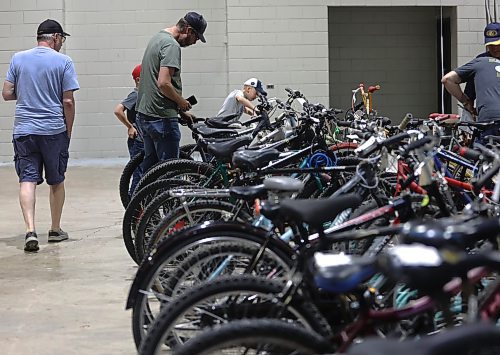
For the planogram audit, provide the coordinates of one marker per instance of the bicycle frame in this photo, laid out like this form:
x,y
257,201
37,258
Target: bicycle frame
x,y
365,324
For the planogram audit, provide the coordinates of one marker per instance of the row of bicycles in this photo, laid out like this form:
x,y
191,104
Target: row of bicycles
x,y
307,230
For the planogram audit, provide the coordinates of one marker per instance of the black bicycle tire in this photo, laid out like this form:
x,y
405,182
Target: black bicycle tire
x,y
170,168
132,212
205,252
160,229
224,285
179,243
255,331
126,176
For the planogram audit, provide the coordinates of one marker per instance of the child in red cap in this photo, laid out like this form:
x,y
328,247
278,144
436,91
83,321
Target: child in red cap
x,y
126,112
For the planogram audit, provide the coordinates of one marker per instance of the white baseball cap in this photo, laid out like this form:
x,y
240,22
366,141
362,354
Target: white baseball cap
x,y
257,84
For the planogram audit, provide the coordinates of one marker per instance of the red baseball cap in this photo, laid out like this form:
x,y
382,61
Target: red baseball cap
x,y
136,72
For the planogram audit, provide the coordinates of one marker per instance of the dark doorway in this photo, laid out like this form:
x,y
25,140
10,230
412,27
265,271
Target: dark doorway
x,y
443,28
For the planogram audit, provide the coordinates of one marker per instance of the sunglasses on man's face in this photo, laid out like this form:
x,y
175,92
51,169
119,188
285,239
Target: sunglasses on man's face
x,y
63,37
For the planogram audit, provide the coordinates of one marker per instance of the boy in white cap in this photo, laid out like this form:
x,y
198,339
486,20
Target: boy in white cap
x,y
240,101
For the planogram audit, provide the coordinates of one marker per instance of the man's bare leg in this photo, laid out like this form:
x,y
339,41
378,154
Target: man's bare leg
x,y
56,197
27,200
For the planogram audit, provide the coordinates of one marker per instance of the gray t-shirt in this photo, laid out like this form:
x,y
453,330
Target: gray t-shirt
x,y
231,106
40,76
162,51
486,72
129,103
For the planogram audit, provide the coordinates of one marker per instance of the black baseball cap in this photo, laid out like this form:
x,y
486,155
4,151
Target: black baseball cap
x,y
198,23
50,26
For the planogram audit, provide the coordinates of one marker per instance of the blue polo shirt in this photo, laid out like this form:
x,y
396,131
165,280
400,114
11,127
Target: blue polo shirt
x,y
40,76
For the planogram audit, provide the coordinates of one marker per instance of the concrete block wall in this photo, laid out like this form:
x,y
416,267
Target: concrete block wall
x,y
283,42
107,40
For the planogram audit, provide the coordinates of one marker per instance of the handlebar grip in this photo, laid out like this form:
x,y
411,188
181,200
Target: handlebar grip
x,y
373,88
415,145
343,123
469,153
405,121
395,139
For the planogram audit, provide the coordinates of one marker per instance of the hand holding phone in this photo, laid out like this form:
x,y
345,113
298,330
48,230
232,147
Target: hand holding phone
x,y
192,100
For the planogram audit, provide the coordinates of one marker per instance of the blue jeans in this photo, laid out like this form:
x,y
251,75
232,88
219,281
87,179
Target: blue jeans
x,y
135,147
491,131
161,139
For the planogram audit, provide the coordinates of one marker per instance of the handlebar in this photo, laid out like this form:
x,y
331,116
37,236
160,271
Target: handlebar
x,y
415,145
467,153
405,121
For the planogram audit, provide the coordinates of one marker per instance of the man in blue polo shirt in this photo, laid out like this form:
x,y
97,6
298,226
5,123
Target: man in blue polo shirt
x,y
42,82
486,73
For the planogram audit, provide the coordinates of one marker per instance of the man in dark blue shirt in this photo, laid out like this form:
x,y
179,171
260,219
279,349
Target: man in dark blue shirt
x,y
486,74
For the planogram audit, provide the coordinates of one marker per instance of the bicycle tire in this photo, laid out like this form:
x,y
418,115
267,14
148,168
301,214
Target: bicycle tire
x,y
276,336
126,177
173,250
136,207
171,222
160,205
200,171
194,304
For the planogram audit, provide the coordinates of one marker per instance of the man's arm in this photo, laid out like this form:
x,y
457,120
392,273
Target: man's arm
x,y
69,110
165,85
451,82
120,114
249,107
9,91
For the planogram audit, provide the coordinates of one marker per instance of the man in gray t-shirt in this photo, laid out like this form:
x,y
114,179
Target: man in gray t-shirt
x,y
159,99
486,73
240,101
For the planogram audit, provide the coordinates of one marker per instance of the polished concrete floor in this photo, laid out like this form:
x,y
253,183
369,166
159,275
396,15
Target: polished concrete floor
x,y
69,297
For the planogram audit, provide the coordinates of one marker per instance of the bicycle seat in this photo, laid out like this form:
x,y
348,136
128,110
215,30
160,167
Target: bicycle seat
x,y
464,340
223,121
205,142
254,159
340,273
208,132
450,232
446,119
419,266
283,183
315,212
248,193
223,151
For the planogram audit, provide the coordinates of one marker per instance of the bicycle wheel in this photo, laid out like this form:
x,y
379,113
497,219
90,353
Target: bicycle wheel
x,y
136,207
197,172
197,212
191,152
126,177
151,287
256,336
223,300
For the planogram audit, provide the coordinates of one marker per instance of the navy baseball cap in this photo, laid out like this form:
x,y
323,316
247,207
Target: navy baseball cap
x,y
257,84
50,26
492,34
198,23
